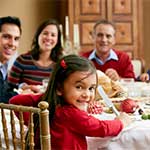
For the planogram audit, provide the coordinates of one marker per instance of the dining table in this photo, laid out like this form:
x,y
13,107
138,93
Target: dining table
x,y
135,136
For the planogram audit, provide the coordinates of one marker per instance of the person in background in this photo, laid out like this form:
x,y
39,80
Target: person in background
x,y
114,63
32,67
71,88
144,77
10,33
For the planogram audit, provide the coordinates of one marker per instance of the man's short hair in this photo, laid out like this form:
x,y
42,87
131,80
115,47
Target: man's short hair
x,y
10,20
106,22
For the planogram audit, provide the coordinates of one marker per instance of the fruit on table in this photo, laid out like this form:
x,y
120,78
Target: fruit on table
x,y
128,105
95,107
145,116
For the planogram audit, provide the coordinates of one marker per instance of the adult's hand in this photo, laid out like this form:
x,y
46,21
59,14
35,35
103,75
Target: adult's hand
x,y
144,77
112,74
30,88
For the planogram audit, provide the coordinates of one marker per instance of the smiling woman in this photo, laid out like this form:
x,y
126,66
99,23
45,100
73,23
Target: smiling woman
x,y
32,67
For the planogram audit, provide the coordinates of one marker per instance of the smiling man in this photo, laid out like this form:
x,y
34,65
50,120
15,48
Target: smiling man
x,y
114,63
10,32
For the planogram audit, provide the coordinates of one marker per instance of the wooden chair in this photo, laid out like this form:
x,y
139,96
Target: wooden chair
x,y
9,127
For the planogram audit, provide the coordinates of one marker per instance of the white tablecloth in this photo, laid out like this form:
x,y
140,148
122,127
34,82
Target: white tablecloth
x,y
134,137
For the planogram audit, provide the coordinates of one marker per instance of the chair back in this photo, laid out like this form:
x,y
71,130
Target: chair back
x,y
138,66
13,131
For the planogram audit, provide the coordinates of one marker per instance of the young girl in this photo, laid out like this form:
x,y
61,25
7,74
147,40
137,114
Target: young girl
x,y
71,88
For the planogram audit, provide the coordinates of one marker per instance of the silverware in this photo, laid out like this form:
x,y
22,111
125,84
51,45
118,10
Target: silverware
x,y
107,100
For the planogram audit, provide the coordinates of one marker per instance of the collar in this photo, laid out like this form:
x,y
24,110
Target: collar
x,y
112,55
1,65
3,69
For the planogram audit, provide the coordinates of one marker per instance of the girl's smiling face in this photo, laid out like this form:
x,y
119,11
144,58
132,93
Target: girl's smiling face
x,y
79,89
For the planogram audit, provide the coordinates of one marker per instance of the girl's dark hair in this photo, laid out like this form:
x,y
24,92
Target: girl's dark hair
x,y
56,51
63,69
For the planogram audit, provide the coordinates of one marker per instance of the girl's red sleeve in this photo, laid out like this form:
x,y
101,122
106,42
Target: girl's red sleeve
x,y
25,100
88,125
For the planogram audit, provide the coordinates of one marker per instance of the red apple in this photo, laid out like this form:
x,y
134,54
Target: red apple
x,y
128,105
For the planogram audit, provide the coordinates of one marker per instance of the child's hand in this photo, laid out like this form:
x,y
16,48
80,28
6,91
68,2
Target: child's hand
x,y
125,118
95,107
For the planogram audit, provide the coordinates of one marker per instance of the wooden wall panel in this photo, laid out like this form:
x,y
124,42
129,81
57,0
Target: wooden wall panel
x,y
90,7
86,33
122,6
124,33
125,13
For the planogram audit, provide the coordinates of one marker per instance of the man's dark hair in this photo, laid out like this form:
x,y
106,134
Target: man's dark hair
x,y
10,20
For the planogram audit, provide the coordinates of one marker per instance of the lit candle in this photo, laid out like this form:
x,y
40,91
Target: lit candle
x,y
61,30
76,34
67,26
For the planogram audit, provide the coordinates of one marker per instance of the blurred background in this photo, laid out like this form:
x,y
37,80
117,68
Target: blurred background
x,y
132,18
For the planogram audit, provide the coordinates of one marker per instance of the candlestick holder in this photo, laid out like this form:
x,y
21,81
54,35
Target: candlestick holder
x,y
76,48
67,46
70,48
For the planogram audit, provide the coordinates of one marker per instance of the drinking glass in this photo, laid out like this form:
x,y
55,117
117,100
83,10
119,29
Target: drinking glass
x,y
45,83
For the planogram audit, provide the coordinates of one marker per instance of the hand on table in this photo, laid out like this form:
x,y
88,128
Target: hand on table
x,y
112,74
30,89
144,77
125,118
